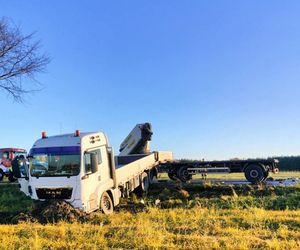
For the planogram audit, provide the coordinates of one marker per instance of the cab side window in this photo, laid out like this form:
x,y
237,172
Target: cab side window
x,y
88,160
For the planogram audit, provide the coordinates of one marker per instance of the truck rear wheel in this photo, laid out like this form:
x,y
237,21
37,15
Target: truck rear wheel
x,y
255,173
106,204
153,175
183,174
145,183
1,174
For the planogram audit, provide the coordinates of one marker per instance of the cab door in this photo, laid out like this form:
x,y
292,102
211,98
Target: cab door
x,y
91,179
104,167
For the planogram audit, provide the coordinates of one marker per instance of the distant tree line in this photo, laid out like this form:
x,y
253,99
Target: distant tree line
x,y
290,163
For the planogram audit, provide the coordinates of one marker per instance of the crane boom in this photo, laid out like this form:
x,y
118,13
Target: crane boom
x,y
138,140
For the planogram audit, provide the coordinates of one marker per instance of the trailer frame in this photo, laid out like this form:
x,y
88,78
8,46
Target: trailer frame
x,y
256,170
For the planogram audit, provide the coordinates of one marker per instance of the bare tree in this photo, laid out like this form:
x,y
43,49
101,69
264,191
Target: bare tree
x,y
20,58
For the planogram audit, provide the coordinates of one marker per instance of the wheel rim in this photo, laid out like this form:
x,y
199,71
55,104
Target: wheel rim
x,y
106,203
253,173
185,175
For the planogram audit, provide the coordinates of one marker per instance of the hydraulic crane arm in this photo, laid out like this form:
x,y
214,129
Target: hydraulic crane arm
x,y
138,140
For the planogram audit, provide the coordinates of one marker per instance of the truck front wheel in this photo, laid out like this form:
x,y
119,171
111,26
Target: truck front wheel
x,y
255,173
106,204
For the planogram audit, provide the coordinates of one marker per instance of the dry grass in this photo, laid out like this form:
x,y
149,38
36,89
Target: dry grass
x,y
199,217
179,228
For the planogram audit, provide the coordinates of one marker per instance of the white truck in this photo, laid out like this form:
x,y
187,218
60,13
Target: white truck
x,y
82,169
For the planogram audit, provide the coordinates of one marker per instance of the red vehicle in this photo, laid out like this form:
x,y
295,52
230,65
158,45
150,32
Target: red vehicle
x,y
6,156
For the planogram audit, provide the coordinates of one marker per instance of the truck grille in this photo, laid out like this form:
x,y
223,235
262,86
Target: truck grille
x,y
54,193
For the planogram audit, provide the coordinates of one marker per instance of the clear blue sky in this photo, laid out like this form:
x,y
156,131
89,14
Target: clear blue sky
x,y
217,79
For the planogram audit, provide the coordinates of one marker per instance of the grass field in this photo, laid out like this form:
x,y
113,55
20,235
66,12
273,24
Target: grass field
x,y
198,217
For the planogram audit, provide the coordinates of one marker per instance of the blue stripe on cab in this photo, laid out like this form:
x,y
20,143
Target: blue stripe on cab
x,y
56,150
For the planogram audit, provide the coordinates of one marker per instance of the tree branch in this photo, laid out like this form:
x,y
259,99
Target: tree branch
x,y
19,58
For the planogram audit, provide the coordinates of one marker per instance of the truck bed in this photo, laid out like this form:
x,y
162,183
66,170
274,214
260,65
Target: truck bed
x,y
131,166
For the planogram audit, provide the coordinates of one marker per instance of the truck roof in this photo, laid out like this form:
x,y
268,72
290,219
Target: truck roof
x,y
64,140
12,149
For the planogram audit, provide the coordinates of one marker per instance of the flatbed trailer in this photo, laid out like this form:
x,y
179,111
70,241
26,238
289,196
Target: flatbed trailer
x,y
255,170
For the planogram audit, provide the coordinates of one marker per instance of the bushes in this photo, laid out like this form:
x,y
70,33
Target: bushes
x,y
291,163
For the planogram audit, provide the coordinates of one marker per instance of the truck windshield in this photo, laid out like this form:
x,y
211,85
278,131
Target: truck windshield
x,y
51,162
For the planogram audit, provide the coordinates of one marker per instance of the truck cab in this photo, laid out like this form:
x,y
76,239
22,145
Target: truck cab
x,y
69,167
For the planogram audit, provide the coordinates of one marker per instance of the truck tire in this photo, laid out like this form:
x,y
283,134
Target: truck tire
x,y
145,183
255,173
106,204
183,174
1,174
153,175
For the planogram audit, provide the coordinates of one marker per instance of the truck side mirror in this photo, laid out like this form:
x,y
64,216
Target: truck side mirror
x,y
94,163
